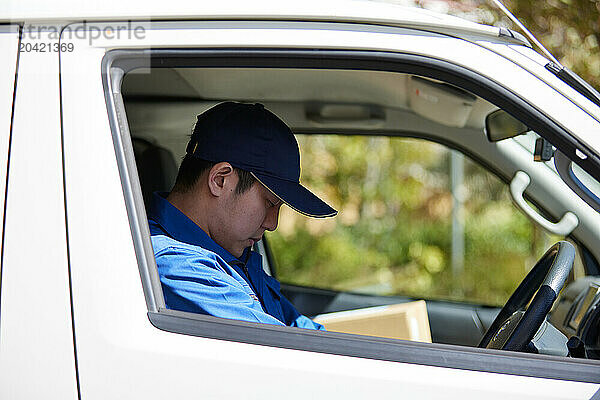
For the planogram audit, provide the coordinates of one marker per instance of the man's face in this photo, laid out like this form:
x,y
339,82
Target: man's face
x,y
245,217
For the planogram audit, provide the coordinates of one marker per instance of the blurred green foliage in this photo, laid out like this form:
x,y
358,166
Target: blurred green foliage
x,y
570,29
393,232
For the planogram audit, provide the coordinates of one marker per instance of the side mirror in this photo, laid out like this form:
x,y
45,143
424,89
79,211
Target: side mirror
x,y
500,125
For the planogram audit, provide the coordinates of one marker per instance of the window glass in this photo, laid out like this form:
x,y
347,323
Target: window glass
x,y
394,233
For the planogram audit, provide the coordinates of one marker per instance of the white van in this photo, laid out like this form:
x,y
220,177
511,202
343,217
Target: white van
x,y
96,105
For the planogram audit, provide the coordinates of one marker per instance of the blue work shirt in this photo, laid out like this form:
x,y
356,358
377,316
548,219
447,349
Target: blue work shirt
x,y
199,276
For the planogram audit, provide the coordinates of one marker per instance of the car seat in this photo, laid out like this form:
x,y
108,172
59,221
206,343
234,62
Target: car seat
x,y
156,167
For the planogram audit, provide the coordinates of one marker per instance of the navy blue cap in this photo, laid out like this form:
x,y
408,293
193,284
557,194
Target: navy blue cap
x,y
252,138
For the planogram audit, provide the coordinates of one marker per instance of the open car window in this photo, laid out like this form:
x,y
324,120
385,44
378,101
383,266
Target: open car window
x,y
425,207
376,151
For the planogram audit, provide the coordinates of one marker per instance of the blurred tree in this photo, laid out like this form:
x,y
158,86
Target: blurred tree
x,y
392,235
570,29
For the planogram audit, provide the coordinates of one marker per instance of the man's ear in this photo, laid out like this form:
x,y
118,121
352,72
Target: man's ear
x,y
220,179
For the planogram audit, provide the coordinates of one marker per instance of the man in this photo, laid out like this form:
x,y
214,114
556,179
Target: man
x,y
242,163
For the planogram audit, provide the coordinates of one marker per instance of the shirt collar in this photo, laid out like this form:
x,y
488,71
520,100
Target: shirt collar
x,y
183,229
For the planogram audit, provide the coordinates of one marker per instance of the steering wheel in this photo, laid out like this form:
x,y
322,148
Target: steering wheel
x,y
517,323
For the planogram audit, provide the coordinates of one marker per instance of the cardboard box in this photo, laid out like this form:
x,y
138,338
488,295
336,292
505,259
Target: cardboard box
x,y
406,321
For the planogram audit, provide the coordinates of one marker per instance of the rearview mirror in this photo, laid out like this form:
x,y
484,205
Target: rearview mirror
x,y
500,125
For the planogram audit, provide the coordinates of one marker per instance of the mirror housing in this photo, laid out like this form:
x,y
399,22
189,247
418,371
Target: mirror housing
x,y
500,125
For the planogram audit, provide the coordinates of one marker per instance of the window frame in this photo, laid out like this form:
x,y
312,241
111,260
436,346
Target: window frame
x,y
118,62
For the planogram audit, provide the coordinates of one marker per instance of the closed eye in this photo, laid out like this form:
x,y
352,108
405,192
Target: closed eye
x,y
271,204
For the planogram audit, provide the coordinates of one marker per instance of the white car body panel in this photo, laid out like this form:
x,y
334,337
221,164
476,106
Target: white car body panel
x,y
311,10
120,354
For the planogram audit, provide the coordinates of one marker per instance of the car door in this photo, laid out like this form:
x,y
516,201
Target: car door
x,y
126,336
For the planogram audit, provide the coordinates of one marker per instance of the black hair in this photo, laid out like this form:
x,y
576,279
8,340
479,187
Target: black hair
x,y
192,168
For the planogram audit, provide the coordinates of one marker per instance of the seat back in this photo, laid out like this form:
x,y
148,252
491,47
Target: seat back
x,y
156,166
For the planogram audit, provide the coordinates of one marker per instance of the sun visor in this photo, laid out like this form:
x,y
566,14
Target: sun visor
x,y
440,102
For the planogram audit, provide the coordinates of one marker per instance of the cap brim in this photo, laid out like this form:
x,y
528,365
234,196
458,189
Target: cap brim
x,y
296,196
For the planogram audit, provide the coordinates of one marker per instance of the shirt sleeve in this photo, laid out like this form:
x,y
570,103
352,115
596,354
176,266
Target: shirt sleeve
x,y
292,317
197,283
307,323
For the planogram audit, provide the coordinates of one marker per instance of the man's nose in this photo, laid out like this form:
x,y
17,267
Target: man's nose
x,y
272,218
